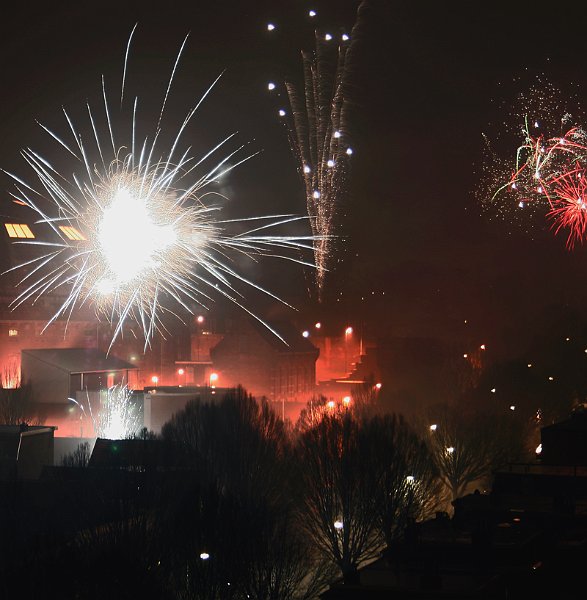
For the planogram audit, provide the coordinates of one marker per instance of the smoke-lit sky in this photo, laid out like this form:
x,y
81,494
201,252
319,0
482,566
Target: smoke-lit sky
x,y
431,77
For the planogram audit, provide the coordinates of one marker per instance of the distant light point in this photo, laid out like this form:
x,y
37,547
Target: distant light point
x,y
270,86
270,27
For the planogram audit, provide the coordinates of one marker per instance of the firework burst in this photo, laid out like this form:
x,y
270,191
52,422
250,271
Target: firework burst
x,y
569,205
136,235
548,175
117,417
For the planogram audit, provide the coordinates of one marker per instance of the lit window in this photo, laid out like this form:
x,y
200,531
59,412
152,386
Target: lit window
x,y
12,332
18,231
71,233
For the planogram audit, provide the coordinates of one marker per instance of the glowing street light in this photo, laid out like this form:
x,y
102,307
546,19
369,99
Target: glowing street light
x,y
270,27
200,319
348,331
410,479
306,334
338,525
319,325
155,379
204,556
330,404
346,400
213,379
378,386
180,371
433,427
270,86
450,450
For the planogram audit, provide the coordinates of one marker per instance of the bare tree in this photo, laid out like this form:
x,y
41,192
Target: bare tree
x,y
17,405
409,485
468,446
241,509
80,457
340,492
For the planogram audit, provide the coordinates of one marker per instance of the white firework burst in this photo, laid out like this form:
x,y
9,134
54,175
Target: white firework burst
x,y
118,415
145,242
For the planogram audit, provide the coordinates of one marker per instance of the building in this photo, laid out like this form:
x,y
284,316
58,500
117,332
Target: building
x,y
565,442
24,451
280,366
58,374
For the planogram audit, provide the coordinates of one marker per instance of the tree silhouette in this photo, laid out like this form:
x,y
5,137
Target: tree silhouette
x,y
340,492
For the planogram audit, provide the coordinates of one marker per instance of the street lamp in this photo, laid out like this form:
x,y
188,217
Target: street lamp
x,y
347,333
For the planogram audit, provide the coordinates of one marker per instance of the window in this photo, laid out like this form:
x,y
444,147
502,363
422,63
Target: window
x,y
12,332
18,230
71,233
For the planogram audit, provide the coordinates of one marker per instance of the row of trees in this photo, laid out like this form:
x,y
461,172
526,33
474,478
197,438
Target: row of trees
x,y
253,507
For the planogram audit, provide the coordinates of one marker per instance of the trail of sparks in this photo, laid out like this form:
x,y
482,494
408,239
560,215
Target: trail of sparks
x,y
145,242
319,141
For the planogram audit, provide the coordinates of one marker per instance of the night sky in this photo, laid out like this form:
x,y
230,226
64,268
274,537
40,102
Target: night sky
x,y
430,78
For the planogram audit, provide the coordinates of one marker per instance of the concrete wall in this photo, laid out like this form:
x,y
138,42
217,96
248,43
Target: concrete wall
x,y
36,451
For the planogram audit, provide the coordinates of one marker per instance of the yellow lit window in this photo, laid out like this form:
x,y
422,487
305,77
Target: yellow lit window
x,y
18,230
71,233
12,332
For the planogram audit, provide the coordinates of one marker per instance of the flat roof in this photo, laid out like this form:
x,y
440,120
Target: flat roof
x,y
80,360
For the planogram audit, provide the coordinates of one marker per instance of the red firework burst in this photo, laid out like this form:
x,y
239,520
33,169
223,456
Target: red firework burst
x,y
568,199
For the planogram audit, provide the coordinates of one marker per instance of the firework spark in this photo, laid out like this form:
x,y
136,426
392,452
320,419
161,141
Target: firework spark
x,y
118,416
319,141
145,241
